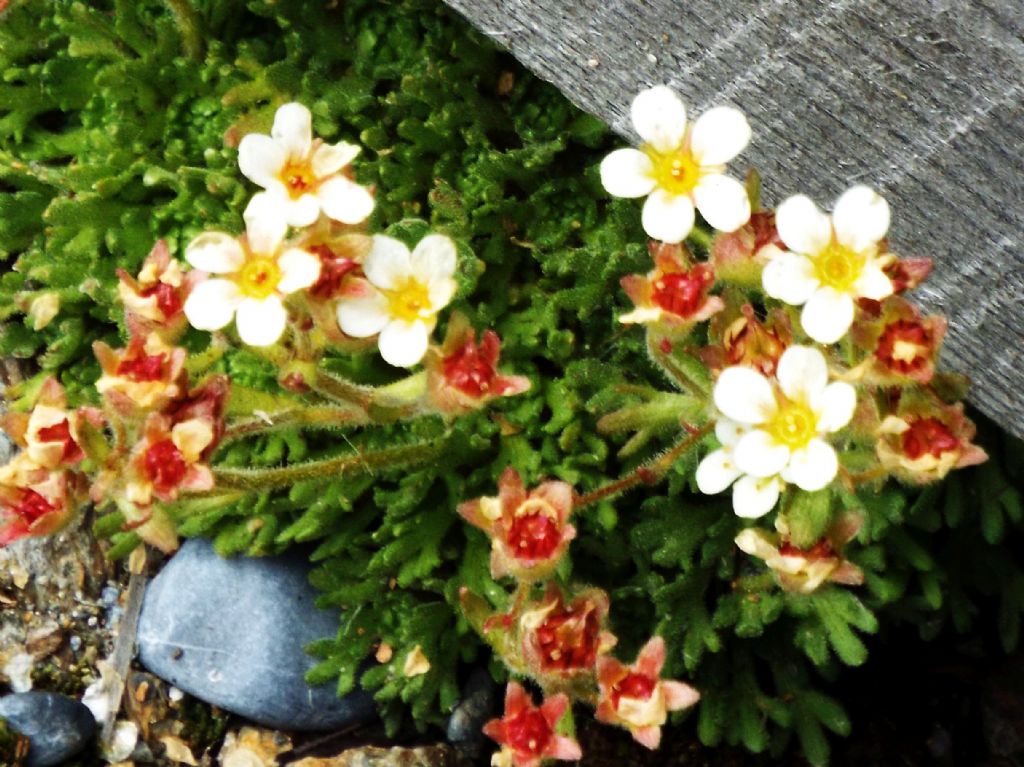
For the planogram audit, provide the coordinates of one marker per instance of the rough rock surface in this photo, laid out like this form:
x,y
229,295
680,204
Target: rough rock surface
x,y
922,99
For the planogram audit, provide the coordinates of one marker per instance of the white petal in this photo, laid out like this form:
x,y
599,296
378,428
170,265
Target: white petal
x,y
744,395
660,118
434,257
299,270
668,217
261,159
803,227
345,200
789,277
759,455
827,315
440,292
363,316
752,497
388,264
835,406
719,135
754,542
403,344
860,218
265,223
293,129
211,304
627,173
328,159
723,202
716,472
802,373
873,283
301,212
729,432
261,322
215,252
811,468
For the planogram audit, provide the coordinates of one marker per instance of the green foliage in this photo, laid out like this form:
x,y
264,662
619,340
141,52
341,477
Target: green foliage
x,y
117,128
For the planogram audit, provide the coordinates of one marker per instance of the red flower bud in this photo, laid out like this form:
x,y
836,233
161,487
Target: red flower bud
x,y
562,640
903,344
923,441
674,294
146,374
463,375
34,500
153,300
636,697
529,531
528,733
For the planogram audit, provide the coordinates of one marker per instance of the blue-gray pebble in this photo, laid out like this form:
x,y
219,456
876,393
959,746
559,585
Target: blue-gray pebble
x,y
231,632
57,726
478,705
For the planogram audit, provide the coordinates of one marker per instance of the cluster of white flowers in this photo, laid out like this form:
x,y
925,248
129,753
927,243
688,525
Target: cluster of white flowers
x,y
303,179
772,431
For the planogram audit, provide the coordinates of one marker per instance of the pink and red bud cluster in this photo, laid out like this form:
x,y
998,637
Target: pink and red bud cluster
x,y
561,642
42,485
149,443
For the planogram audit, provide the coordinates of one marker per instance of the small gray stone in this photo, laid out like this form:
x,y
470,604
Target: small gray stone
x,y
57,726
479,699
232,633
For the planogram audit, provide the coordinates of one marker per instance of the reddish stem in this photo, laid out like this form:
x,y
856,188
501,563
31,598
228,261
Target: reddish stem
x,y
648,473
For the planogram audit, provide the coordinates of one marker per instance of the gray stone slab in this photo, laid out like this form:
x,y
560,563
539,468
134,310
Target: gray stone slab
x,y
921,99
232,632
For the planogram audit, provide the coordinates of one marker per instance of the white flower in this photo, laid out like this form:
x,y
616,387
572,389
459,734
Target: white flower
x,y
751,496
772,432
401,296
254,274
680,166
304,176
831,260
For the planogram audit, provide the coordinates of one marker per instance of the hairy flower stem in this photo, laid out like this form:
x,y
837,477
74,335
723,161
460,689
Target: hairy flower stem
x,y
647,474
199,363
394,402
339,389
327,470
323,417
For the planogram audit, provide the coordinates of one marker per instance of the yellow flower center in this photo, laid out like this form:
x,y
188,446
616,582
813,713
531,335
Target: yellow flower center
x,y
676,172
793,425
839,267
259,276
298,179
410,301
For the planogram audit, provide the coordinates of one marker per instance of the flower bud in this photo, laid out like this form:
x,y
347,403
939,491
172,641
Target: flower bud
x,y
529,530
922,442
803,571
462,375
636,697
674,294
528,733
